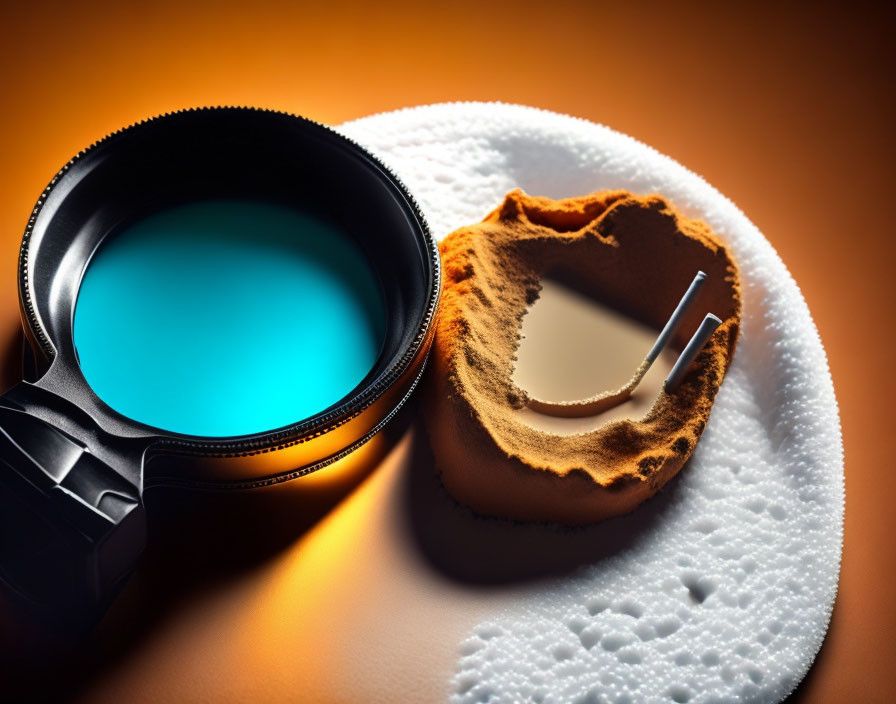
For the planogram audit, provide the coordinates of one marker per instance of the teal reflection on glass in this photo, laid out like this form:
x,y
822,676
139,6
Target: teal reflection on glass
x,y
227,317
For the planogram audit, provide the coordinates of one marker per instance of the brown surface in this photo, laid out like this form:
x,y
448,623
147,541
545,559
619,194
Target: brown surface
x,y
609,244
788,110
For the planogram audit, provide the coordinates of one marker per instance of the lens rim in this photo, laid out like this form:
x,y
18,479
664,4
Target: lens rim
x,y
354,419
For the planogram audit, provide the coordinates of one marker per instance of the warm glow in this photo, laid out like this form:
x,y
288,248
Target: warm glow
x,y
788,111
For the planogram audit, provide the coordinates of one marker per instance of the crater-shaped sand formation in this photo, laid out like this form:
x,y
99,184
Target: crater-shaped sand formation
x,y
635,254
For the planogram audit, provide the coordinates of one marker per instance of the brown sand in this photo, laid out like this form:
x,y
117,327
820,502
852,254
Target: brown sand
x,y
636,254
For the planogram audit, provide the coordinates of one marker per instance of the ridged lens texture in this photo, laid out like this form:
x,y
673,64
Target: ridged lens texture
x,y
227,317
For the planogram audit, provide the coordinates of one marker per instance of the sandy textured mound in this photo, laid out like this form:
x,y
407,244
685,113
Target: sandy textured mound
x,y
637,254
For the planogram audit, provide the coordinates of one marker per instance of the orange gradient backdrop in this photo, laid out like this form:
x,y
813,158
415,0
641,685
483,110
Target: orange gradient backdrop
x,y
787,110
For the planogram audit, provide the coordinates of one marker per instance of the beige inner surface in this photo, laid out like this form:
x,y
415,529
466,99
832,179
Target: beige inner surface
x,y
573,348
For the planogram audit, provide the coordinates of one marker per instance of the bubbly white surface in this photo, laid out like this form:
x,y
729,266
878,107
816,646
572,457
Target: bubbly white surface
x,y
725,593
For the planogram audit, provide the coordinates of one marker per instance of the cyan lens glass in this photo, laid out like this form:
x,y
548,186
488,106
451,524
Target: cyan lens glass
x,y
227,317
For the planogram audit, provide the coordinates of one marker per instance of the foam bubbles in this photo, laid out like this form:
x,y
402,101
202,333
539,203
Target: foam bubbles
x,y
726,598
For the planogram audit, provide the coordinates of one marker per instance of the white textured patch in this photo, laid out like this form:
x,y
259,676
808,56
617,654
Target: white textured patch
x,y
727,594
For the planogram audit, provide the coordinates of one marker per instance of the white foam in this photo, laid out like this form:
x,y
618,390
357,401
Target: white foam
x,y
727,594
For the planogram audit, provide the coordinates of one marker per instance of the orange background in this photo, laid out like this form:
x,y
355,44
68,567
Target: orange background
x,y
789,111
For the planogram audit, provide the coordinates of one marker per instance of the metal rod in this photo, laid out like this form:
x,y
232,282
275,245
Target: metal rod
x,y
677,315
695,344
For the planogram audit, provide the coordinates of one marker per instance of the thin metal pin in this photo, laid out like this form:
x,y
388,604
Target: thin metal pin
x,y
677,315
695,344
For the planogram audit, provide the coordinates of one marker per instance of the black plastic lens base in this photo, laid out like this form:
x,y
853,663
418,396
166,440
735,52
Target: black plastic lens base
x,y
72,470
